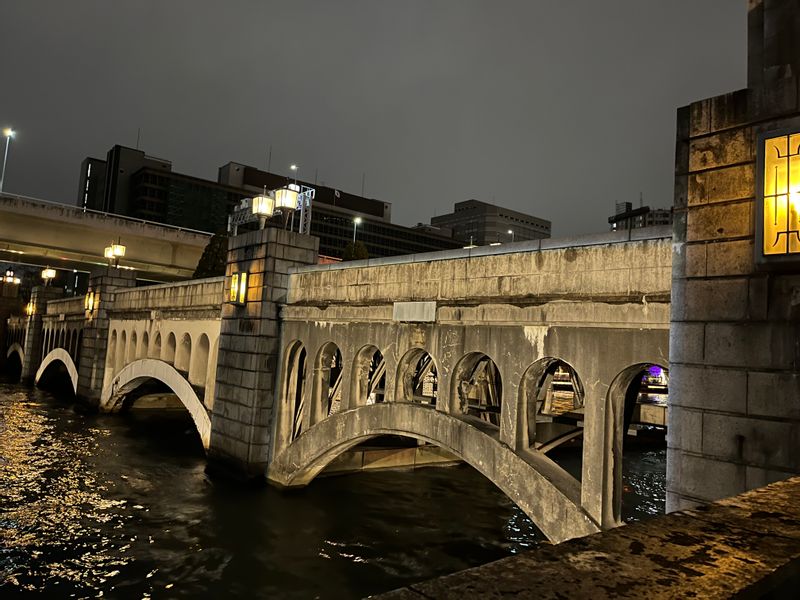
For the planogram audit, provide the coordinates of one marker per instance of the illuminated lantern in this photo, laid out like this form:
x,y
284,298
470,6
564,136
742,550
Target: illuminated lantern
x,y
238,292
286,197
778,229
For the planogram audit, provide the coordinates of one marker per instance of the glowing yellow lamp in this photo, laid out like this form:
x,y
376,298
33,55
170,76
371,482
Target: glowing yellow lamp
x,y
781,198
238,291
263,206
29,309
286,197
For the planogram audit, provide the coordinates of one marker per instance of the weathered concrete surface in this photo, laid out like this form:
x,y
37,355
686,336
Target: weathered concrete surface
x,y
378,458
734,417
535,483
66,236
747,546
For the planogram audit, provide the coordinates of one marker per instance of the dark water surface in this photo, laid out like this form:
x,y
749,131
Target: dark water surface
x,y
121,507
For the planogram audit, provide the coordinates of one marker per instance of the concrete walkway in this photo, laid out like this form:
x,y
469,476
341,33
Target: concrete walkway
x,y
747,546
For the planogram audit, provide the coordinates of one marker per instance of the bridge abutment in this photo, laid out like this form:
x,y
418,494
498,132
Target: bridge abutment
x,y
94,346
249,346
734,417
40,296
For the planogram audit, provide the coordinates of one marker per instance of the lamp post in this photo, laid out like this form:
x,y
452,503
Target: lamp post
x,y
8,133
114,252
356,223
48,275
511,233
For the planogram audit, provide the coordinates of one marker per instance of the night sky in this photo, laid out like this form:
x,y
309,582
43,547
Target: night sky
x,y
554,108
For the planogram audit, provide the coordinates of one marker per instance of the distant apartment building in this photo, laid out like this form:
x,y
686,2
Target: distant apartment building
x,y
481,223
131,183
627,217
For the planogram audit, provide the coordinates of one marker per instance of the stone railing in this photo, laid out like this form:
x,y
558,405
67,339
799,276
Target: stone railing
x,y
66,306
613,267
196,294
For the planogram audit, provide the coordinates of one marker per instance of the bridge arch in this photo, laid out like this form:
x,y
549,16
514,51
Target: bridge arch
x,y
327,385
15,348
59,355
550,497
138,372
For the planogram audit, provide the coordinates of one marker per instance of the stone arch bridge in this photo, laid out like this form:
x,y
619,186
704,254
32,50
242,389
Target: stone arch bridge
x,y
460,349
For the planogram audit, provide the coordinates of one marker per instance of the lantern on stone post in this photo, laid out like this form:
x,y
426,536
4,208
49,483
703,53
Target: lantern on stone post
x,y
778,189
237,294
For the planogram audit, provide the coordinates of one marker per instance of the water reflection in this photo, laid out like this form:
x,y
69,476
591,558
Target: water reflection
x,y
122,507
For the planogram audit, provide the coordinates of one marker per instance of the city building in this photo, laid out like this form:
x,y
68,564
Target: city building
x,y
333,217
481,223
628,217
131,183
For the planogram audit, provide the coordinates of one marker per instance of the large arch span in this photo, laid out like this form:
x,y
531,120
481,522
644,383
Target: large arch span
x,y
138,372
548,495
59,355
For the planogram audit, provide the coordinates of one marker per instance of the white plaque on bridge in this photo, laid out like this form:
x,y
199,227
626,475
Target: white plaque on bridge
x,y
414,312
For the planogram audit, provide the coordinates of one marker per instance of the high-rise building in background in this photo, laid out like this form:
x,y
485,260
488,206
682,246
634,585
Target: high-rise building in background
x,y
627,217
131,183
481,223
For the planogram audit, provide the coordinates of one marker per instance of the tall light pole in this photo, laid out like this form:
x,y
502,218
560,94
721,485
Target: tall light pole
x,y
295,168
9,133
511,233
356,223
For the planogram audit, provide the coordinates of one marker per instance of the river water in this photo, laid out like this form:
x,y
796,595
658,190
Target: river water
x,y
120,506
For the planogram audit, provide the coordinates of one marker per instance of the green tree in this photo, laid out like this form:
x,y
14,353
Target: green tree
x,y
212,262
357,251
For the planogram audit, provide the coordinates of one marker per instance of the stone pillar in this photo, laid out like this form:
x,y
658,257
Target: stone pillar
x,y
40,295
103,284
249,346
734,415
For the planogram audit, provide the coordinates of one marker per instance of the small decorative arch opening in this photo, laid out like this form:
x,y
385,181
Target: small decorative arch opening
x,y
134,348
121,351
478,388
368,377
111,355
183,355
169,349
417,378
293,391
155,352
145,347
199,366
328,374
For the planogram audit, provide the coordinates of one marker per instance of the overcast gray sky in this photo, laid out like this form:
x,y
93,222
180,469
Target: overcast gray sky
x,y
554,108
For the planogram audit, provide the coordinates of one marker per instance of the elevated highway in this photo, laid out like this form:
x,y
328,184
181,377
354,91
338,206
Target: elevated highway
x,y
67,237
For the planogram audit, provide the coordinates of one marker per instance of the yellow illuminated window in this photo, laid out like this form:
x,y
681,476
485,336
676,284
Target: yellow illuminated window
x,y
782,195
238,291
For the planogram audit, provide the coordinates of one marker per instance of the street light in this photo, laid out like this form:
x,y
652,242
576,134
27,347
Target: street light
x,y
114,252
356,223
8,133
263,207
511,233
48,275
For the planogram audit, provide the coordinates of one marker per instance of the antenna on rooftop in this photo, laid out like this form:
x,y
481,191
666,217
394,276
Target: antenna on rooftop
x,y
269,158
363,178
641,199
138,136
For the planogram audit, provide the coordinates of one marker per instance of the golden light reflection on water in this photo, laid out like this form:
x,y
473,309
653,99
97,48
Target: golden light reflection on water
x,y
52,509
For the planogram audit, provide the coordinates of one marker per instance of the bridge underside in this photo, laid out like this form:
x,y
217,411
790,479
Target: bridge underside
x,y
549,496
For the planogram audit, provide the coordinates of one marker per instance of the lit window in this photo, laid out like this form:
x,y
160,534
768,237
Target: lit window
x,y
781,199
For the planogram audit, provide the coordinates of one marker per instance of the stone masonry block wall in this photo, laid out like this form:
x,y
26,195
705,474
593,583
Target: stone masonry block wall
x,y
241,425
605,272
734,417
172,296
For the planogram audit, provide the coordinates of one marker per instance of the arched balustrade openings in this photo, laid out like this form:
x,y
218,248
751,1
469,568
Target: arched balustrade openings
x,y
199,366
417,378
478,388
145,347
156,351
368,377
293,392
328,373
183,355
169,349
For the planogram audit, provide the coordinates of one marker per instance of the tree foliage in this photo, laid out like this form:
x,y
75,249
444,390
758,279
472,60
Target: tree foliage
x,y
357,251
212,262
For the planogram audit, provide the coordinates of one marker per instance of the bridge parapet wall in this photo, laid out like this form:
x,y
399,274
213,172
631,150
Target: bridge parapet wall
x,y
197,294
604,271
66,306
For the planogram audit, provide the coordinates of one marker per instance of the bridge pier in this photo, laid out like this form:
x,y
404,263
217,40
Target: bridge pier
x,y
94,346
40,296
249,349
